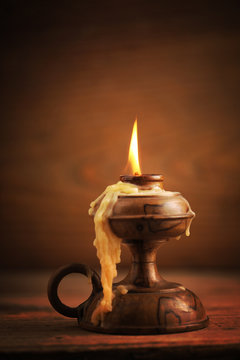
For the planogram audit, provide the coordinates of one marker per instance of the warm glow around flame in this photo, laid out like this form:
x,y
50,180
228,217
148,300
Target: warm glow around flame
x,y
133,159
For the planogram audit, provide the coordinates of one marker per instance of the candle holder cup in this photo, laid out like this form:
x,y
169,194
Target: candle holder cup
x,y
151,305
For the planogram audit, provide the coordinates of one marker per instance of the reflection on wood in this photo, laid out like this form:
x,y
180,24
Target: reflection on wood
x,y
29,325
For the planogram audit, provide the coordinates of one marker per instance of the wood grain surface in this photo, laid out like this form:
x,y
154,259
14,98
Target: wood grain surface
x,y
30,328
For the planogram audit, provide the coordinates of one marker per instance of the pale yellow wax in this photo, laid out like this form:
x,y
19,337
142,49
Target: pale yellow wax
x,y
108,245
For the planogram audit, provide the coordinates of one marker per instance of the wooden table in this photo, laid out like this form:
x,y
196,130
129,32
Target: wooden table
x,y
30,328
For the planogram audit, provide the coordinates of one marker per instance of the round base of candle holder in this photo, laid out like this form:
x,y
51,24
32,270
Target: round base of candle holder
x,y
141,305
161,311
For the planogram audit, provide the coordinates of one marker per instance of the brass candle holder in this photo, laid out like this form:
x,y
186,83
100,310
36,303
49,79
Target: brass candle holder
x,y
151,305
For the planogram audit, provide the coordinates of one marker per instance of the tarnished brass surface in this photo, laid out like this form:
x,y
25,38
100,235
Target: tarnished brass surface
x,y
163,311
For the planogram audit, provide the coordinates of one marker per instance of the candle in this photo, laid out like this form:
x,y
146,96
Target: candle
x,y
108,244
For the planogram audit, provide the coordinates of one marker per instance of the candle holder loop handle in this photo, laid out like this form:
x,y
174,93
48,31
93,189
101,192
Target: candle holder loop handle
x,y
56,278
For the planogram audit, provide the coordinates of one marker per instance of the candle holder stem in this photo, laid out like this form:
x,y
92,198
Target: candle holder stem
x,y
143,272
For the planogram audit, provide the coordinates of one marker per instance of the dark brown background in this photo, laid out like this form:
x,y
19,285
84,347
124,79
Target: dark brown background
x,y
75,75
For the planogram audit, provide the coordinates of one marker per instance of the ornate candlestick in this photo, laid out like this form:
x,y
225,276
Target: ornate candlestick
x,y
149,303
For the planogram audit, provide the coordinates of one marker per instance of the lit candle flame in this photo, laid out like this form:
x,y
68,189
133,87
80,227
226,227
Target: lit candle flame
x,y
133,159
